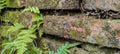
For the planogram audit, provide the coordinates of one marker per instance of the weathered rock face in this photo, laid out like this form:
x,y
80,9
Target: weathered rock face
x,y
81,28
67,4
76,27
102,5
54,4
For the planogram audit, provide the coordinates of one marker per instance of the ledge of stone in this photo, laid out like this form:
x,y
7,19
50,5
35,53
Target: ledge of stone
x,y
54,4
102,5
80,28
67,4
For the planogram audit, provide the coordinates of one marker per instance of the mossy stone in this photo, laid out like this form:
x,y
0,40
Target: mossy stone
x,y
11,16
13,3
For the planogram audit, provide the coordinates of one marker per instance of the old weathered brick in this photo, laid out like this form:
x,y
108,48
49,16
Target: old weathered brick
x,y
102,5
53,4
86,29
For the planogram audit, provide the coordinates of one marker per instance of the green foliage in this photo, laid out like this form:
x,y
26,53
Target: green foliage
x,y
25,36
34,50
16,27
22,43
64,48
9,3
116,20
32,9
2,4
38,18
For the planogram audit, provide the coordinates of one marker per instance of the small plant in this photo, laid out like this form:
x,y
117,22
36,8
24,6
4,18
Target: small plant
x,y
24,36
33,50
64,49
2,4
32,9
38,18
19,44
117,20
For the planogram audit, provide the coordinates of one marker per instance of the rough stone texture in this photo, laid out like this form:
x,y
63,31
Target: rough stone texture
x,y
66,4
53,4
75,4
86,29
17,17
81,28
102,5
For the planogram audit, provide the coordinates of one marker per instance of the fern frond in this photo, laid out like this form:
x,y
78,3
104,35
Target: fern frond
x,y
2,4
64,48
15,27
51,52
32,9
23,38
2,1
21,48
116,20
37,18
8,46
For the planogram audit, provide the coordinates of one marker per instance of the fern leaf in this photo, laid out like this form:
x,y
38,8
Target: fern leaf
x,y
72,45
24,36
2,4
16,27
40,32
5,48
12,50
32,9
64,48
116,20
51,52
2,1
25,32
36,18
21,50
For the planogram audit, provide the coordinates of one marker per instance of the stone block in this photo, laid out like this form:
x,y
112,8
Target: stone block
x,y
102,5
86,29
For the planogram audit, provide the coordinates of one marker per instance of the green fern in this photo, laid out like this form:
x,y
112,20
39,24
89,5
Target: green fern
x,y
116,20
24,36
32,9
15,27
34,50
38,18
2,4
64,48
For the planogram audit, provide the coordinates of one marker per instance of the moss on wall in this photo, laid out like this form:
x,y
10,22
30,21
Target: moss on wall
x,y
11,16
13,3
